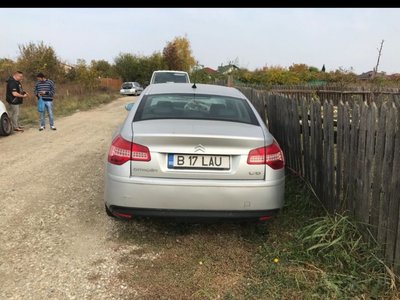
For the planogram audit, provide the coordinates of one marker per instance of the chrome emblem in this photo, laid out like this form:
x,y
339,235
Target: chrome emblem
x,y
199,148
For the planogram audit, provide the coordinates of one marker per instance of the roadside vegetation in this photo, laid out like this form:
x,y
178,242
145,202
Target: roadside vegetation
x,y
310,255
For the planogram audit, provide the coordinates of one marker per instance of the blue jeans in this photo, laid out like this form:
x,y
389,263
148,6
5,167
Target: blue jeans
x,y
48,105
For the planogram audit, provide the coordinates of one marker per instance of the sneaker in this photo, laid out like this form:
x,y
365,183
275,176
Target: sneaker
x,y
41,128
53,128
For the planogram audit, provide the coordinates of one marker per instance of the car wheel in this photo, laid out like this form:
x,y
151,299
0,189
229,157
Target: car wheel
x,y
5,125
261,228
108,212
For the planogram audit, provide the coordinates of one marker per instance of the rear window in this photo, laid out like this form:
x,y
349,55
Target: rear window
x,y
127,85
190,106
170,77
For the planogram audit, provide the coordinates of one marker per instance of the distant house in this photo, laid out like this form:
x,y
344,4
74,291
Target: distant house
x,y
66,67
394,76
369,75
209,71
227,69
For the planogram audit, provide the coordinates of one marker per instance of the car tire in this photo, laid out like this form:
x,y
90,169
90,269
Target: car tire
x,y
261,228
5,125
108,212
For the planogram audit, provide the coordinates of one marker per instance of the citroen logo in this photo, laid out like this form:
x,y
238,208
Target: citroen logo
x,y
199,148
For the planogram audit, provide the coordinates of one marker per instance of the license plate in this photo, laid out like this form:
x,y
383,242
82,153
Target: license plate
x,y
190,161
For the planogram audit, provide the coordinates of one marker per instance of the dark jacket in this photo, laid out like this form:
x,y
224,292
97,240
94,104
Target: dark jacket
x,y
13,86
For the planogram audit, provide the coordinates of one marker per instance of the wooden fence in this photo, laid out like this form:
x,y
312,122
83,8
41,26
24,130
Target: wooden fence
x,y
348,150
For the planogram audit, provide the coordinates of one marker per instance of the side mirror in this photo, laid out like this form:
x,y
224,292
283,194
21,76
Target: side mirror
x,y
129,106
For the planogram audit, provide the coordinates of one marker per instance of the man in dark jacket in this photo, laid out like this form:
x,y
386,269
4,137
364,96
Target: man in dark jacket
x,y
45,88
14,96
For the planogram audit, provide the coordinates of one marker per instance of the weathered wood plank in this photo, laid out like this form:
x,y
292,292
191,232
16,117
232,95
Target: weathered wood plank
x,y
326,171
387,164
352,185
330,158
339,154
313,146
395,184
296,136
370,161
346,156
377,176
306,138
393,200
361,208
318,147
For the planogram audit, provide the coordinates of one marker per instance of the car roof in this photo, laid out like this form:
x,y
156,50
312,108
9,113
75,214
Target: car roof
x,y
187,88
169,71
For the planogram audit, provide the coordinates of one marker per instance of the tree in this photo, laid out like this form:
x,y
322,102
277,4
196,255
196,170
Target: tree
x,y
178,55
85,75
138,68
127,66
323,68
39,57
7,67
103,68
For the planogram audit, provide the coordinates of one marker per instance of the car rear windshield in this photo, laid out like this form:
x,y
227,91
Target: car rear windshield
x,y
127,85
170,77
190,106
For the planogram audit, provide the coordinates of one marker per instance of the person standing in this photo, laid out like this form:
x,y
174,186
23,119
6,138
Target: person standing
x,y
14,96
45,88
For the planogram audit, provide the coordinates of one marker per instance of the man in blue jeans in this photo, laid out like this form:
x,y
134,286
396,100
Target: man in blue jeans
x,y
45,88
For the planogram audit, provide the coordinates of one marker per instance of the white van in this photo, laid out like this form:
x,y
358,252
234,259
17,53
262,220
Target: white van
x,y
164,76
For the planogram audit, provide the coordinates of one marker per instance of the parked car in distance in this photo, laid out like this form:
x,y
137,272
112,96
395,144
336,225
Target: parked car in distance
x,y
165,76
193,152
131,88
5,122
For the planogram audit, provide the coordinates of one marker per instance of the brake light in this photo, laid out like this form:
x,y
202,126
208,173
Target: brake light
x,y
140,152
122,151
126,216
271,155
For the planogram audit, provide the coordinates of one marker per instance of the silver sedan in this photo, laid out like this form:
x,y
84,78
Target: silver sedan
x,y
131,88
194,151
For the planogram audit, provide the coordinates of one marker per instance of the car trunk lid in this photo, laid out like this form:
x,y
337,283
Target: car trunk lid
x,y
206,149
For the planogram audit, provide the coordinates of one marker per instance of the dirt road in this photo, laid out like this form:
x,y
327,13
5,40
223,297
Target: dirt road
x,y
54,235
57,243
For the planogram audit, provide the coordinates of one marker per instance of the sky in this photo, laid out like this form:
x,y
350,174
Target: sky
x,y
346,38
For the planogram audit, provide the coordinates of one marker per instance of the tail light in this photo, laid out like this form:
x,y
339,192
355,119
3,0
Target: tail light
x,y
122,151
271,155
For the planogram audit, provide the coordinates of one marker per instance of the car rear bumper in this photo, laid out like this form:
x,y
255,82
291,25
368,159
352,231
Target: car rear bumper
x,y
128,212
127,93
155,196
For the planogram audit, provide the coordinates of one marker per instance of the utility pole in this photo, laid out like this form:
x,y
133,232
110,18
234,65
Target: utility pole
x,y
379,57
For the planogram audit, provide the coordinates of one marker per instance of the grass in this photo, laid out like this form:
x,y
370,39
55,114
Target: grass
x,y
310,256
65,106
